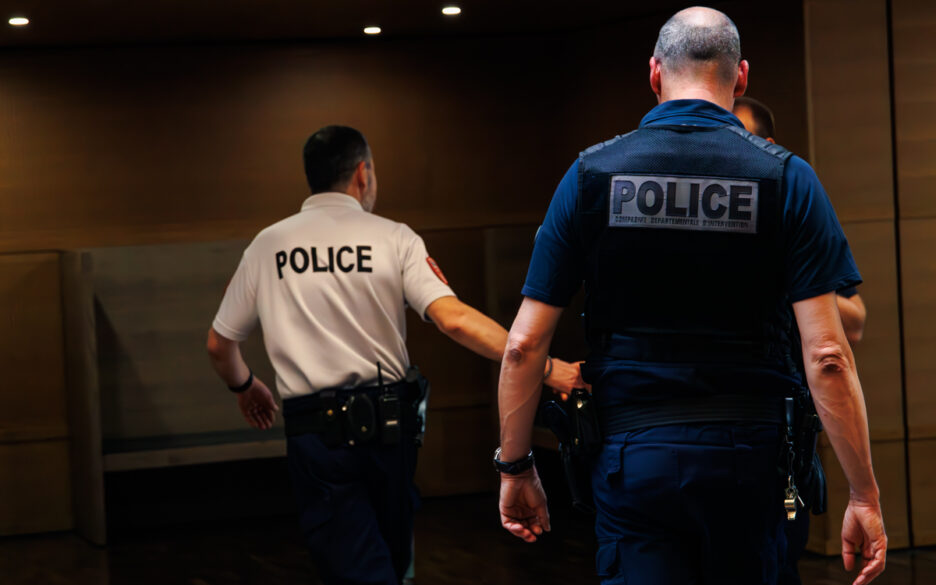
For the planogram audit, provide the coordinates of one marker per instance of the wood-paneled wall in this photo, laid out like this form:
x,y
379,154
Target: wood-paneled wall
x,y
892,233
850,128
146,145
34,434
914,62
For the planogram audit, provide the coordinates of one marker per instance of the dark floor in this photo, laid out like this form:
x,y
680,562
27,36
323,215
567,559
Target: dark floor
x,y
458,542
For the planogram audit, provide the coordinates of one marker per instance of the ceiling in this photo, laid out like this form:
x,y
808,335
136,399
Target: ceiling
x,y
105,22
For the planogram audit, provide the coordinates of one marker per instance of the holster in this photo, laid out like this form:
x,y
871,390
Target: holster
x,y
575,424
810,476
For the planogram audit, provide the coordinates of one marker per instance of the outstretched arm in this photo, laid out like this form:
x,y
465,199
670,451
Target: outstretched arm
x,y
836,391
476,331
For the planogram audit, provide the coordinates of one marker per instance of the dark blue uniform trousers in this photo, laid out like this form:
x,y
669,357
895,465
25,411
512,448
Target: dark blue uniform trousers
x,y
356,508
797,535
689,504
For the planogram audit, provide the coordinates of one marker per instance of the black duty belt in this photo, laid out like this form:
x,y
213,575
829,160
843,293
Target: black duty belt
x,y
353,415
702,409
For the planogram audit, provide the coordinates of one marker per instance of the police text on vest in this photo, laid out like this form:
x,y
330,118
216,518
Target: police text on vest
x,y
683,203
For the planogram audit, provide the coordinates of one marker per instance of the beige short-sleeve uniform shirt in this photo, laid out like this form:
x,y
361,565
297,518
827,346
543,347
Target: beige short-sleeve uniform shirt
x,y
330,286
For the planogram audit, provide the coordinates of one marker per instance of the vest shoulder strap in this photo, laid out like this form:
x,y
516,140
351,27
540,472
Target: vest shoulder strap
x,y
769,147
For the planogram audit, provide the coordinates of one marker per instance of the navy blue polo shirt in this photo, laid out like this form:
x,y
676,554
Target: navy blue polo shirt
x,y
819,259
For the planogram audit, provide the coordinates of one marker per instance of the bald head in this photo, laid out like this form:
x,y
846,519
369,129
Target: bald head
x,y
699,42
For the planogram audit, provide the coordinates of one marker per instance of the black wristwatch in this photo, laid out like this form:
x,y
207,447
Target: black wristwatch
x,y
512,467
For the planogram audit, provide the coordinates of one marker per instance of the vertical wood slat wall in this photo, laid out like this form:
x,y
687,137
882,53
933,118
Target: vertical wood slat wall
x,y
914,73
850,135
858,131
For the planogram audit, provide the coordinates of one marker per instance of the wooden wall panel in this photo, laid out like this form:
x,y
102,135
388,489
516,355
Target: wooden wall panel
x,y
922,490
32,402
878,353
34,457
136,145
890,469
212,149
914,24
153,308
34,481
849,105
918,263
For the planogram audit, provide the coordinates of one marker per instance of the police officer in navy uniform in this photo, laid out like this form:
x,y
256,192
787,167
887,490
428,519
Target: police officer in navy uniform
x,y
699,245
758,119
330,285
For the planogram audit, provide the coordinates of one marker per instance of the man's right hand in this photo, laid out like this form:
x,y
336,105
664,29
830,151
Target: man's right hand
x,y
863,538
565,377
522,505
257,405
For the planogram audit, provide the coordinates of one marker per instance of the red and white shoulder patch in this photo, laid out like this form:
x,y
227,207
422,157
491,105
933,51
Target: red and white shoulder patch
x,y
435,268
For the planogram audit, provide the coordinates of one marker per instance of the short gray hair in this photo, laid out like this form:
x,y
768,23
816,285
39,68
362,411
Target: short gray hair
x,y
695,36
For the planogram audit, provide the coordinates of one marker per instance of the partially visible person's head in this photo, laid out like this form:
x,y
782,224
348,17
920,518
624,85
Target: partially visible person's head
x,y
699,47
338,158
756,117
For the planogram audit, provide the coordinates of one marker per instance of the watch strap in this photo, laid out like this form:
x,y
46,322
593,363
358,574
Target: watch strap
x,y
512,467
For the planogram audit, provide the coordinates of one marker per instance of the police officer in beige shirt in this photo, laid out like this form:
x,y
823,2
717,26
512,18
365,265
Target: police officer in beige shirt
x,y
329,286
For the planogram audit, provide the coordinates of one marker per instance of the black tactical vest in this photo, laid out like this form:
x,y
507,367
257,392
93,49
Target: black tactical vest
x,y
685,258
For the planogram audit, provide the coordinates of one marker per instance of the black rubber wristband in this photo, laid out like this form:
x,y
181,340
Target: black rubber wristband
x,y
549,367
245,386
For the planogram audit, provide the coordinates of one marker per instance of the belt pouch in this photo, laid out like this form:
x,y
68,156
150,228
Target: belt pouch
x,y
584,428
360,419
390,418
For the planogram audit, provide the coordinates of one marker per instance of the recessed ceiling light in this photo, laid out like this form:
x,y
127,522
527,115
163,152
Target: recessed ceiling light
x,y
18,21
451,11
372,30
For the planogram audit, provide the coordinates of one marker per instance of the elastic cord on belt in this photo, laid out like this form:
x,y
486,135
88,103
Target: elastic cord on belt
x,y
703,409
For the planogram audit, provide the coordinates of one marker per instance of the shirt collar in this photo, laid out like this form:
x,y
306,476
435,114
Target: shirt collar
x,y
331,199
690,113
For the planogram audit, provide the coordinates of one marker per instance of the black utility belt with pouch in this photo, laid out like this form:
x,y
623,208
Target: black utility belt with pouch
x,y
386,414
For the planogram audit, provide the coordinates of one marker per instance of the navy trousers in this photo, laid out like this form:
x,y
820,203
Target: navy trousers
x,y
689,504
797,534
356,508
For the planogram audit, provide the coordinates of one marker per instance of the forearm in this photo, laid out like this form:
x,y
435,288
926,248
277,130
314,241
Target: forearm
x,y
836,391
521,375
840,404
853,314
518,396
226,359
478,332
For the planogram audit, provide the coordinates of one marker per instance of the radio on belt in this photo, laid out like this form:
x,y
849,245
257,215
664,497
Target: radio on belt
x,y
389,411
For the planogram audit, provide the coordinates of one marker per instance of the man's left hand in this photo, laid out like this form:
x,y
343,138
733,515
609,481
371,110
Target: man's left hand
x,y
523,509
